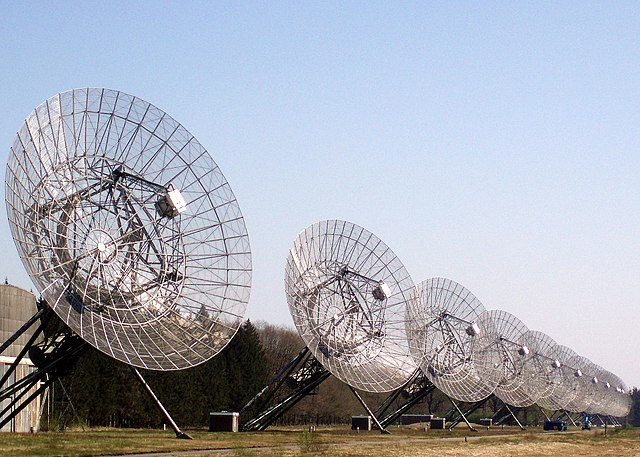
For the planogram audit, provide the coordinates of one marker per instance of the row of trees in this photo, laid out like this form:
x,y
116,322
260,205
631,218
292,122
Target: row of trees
x,y
100,391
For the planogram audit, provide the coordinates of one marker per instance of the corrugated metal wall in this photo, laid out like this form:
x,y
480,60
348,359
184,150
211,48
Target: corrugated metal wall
x,y
28,418
16,307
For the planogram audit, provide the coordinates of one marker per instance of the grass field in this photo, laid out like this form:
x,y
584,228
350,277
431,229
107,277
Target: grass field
x,y
329,442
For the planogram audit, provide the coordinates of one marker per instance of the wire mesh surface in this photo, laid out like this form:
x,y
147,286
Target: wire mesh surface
x,y
602,393
511,354
347,294
622,402
441,317
582,369
608,405
596,391
96,187
542,369
565,392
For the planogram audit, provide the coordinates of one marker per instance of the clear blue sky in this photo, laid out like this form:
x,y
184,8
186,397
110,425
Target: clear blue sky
x,y
495,143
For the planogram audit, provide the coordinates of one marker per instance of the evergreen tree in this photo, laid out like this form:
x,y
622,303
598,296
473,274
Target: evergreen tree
x,y
96,390
105,392
246,366
634,415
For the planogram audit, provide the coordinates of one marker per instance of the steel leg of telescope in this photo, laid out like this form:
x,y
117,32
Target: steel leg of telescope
x,y
42,371
499,418
414,400
514,417
269,416
366,407
565,414
462,416
16,406
307,369
386,404
179,433
559,415
544,413
571,419
273,413
424,387
28,344
266,394
48,373
23,329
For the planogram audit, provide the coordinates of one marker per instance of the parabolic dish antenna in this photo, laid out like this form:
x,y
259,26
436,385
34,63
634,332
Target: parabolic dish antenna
x,y
582,371
604,403
565,392
623,402
596,390
510,353
128,229
347,294
542,370
443,328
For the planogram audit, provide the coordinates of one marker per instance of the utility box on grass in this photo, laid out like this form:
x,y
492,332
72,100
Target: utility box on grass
x,y
408,419
361,422
555,425
224,422
437,423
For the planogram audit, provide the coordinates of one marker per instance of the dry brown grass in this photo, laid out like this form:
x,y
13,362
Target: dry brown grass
x,y
330,442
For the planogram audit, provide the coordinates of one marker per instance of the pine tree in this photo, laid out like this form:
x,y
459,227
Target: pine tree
x,y
246,366
634,415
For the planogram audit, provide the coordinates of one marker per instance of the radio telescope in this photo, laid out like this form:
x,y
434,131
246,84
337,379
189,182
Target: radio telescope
x,y
542,369
128,229
443,328
622,400
568,389
509,350
581,367
602,393
595,388
347,295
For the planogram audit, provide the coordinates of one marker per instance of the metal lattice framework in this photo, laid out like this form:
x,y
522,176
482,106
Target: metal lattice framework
x,y
128,229
605,400
542,369
347,295
582,368
574,383
511,355
565,392
620,399
601,393
596,391
443,328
